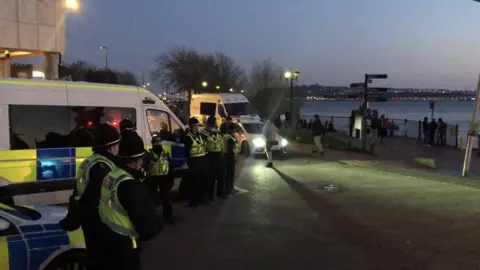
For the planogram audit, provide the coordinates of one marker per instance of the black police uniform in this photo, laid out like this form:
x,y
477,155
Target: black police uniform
x,y
197,167
84,212
224,126
117,250
160,185
216,164
230,160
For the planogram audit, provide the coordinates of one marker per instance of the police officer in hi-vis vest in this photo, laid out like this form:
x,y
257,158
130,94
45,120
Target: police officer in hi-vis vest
x,y
214,143
126,209
230,151
160,177
83,208
197,164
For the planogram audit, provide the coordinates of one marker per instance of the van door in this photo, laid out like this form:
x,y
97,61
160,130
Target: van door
x,y
161,123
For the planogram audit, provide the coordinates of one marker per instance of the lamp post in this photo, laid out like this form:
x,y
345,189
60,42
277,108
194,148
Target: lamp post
x,y
217,87
231,90
105,49
292,76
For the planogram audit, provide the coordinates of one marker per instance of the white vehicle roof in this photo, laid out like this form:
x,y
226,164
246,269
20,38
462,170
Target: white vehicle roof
x,y
225,97
44,92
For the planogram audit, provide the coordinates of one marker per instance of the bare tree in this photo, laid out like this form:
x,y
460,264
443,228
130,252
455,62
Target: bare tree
x,y
267,74
186,69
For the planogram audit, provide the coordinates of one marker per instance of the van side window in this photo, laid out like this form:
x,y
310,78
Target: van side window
x,y
221,111
37,126
83,121
158,122
208,108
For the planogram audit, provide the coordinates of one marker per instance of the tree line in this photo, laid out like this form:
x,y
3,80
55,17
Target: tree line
x,y
191,71
84,71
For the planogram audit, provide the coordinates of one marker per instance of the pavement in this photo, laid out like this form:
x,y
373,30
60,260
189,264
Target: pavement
x,y
334,212
448,160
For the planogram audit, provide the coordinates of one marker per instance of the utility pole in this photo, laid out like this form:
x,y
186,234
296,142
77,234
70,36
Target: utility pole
x,y
471,133
105,49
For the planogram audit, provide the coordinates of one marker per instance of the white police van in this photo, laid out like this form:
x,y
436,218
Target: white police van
x,y
46,131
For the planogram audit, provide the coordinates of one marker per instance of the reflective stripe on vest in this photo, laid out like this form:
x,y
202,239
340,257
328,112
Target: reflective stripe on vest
x,y
214,141
111,211
198,146
227,137
160,164
84,172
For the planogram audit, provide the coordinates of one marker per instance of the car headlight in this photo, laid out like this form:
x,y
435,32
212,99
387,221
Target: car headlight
x,y
283,142
259,142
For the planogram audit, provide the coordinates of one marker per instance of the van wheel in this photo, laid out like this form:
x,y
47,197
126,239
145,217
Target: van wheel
x,y
245,149
74,259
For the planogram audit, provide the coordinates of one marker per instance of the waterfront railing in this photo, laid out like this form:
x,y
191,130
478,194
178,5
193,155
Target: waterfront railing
x,y
453,136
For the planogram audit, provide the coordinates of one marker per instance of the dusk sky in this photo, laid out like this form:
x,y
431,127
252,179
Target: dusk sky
x,y
419,43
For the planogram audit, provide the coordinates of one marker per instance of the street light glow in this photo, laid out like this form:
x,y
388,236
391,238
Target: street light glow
x,y
288,74
231,89
204,84
217,87
71,4
241,91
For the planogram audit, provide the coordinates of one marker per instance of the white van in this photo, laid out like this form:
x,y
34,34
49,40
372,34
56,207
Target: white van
x,y
46,131
236,106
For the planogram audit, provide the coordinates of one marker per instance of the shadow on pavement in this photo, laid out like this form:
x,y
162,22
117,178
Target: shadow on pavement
x,y
347,229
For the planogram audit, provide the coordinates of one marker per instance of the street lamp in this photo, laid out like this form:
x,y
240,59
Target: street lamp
x,y
217,87
231,89
292,76
105,49
71,4
242,91
204,84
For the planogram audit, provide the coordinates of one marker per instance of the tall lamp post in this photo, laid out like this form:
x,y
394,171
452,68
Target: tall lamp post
x,y
291,76
204,85
105,49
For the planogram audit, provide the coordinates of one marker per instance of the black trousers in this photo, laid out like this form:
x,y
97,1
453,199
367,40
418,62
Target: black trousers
x,y
216,176
92,245
198,168
160,187
230,173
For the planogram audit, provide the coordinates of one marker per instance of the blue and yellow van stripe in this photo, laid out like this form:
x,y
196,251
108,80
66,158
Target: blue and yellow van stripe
x,y
22,166
36,242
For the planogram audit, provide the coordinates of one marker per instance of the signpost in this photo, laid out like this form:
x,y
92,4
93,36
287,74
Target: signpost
x,y
364,85
432,108
471,133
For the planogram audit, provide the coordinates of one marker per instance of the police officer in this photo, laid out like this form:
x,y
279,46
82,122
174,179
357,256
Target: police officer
x,y
126,209
126,126
214,143
230,150
197,165
224,126
83,208
160,177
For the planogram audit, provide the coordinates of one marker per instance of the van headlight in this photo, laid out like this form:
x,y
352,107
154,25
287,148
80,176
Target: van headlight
x,y
259,142
283,142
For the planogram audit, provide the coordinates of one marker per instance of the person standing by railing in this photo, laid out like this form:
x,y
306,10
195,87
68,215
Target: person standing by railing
x,y
318,131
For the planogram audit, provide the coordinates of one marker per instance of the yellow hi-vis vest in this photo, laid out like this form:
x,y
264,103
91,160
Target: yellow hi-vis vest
x,y
160,164
214,141
198,146
111,210
84,172
227,137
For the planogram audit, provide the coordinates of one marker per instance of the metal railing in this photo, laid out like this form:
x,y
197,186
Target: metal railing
x,y
396,127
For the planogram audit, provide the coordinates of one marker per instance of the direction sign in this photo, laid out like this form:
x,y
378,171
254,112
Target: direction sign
x,y
357,85
378,89
377,76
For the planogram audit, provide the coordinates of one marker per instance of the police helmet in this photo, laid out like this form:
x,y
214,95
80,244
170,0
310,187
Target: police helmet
x,y
106,135
127,125
131,146
193,122
156,139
